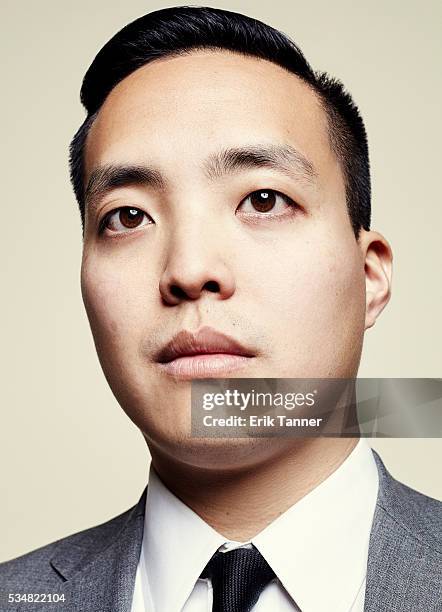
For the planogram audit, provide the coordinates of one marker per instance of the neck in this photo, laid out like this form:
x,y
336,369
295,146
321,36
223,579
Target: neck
x,y
241,504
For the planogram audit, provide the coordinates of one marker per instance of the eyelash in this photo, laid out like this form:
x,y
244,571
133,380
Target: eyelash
x,y
275,192
286,198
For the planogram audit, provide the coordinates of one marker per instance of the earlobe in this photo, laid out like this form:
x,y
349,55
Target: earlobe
x,y
378,274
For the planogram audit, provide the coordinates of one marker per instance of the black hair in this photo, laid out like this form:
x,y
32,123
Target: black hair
x,y
179,30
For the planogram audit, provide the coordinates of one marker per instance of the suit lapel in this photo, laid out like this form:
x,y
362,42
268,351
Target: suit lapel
x,y
403,560
98,566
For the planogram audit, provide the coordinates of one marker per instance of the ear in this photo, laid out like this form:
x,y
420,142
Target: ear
x,y
378,259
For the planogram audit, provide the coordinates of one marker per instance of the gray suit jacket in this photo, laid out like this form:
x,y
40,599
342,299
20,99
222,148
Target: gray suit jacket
x,y
95,569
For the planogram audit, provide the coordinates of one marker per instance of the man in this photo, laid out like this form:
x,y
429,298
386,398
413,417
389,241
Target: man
x,y
224,191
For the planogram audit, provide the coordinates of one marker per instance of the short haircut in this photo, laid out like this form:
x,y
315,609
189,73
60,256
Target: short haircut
x,y
179,30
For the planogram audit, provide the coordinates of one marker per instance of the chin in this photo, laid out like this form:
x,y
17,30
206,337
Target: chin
x,y
226,454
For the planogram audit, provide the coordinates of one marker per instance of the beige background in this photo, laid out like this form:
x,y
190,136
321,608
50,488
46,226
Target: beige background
x,y
69,456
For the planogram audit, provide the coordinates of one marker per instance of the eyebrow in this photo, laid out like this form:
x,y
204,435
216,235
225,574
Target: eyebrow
x,y
283,158
105,178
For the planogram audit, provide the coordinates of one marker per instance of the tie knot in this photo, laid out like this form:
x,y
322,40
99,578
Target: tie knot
x,y
238,578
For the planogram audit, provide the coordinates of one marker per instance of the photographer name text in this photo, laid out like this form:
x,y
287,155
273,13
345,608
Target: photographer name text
x,y
260,421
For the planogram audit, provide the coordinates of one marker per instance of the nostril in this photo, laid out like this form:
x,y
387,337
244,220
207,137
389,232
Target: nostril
x,y
192,292
177,292
212,286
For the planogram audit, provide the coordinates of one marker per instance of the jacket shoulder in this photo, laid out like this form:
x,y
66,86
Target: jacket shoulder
x,y
34,568
415,513
404,557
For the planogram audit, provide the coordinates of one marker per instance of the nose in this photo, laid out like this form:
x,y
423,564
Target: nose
x,y
195,267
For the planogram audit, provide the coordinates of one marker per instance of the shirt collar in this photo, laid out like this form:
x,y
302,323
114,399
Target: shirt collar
x,y
177,544
318,548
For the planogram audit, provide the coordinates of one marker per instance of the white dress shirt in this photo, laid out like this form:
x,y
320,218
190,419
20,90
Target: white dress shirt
x,y
318,548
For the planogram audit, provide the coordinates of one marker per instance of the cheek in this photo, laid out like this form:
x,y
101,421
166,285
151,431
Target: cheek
x,y
112,295
309,274
313,293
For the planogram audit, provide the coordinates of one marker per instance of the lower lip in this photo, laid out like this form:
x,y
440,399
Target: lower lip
x,y
204,366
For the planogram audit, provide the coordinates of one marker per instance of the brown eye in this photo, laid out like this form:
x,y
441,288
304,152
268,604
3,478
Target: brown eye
x,y
130,217
125,218
269,202
263,201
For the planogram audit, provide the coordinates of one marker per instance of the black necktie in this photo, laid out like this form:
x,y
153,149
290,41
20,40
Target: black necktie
x,y
238,578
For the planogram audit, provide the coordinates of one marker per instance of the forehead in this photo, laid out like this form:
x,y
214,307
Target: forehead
x,y
175,111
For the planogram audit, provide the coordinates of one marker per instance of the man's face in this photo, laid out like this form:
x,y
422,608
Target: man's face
x,y
262,251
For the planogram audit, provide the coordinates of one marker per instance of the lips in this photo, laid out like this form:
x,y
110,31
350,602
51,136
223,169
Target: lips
x,y
204,354
207,341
